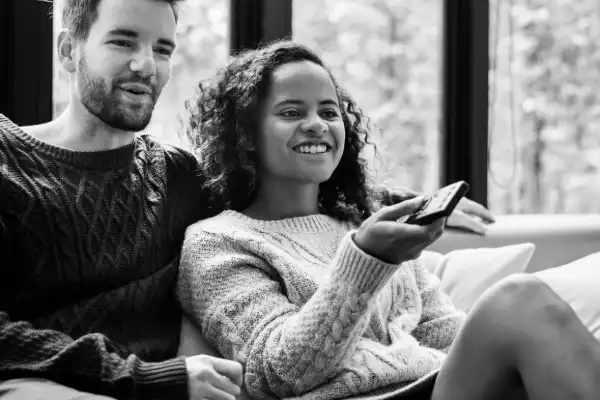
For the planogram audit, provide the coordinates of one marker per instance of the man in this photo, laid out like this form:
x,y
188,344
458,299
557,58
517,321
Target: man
x,y
92,217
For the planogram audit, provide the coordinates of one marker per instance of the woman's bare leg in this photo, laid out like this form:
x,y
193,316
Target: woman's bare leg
x,y
521,341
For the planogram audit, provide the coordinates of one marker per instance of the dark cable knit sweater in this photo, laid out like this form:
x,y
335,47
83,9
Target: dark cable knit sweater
x,y
89,250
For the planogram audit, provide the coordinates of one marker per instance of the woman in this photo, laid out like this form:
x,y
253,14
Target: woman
x,y
316,303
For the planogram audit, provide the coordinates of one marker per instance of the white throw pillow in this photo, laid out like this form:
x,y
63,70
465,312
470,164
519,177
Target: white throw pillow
x,y
465,274
577,283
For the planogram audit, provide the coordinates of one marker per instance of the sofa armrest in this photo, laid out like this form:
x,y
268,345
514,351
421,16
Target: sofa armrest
x,y
559,239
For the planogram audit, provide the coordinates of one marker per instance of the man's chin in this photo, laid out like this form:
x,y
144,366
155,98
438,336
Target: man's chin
x,y
133,126
129,123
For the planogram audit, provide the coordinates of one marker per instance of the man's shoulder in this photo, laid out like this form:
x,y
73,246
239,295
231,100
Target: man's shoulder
x,y
8,133
181,165
177,155
183,177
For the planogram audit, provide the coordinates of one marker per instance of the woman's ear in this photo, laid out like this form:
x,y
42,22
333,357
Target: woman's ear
x,y
65,46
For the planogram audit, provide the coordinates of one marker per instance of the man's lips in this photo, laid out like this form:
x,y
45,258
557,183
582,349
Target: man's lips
x,y
137,88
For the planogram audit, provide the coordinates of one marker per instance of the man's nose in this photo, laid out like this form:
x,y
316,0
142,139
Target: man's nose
x,y
144,64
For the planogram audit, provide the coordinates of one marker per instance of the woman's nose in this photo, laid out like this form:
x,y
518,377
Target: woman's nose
x,y
315,125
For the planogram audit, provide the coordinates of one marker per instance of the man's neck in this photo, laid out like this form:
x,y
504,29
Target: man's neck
x,y
76,129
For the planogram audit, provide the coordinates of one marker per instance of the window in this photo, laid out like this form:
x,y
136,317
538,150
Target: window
x,y
387,53
202,47
544,106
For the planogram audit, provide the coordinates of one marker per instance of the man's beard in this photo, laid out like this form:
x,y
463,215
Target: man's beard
x,y
103,100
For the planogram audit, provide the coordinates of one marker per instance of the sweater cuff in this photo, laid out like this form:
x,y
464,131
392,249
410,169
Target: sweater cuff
x,y
163,380
364,272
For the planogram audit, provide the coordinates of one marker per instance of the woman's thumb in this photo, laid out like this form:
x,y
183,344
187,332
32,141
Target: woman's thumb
x,y
403,209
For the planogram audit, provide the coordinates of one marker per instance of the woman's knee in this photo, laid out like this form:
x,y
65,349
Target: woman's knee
x,y
524,298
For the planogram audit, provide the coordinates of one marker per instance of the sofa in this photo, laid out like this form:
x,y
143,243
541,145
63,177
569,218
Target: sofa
x,y
514,244
558,239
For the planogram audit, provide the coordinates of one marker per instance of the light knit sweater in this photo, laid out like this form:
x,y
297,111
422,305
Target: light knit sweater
x,y
308,313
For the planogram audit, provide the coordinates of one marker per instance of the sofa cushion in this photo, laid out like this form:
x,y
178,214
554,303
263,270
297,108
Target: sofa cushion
x,y
578,283
559,239
465,274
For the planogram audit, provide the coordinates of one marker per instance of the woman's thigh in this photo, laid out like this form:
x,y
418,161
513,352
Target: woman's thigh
x,y
480,361
521,338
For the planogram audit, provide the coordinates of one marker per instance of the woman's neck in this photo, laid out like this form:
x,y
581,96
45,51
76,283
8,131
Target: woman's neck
x,y
277,200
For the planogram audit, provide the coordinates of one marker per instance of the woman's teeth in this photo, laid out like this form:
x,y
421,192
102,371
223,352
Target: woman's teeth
x,y
311,149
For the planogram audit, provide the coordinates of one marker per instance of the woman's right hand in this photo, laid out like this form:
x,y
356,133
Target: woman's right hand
x,y
383,237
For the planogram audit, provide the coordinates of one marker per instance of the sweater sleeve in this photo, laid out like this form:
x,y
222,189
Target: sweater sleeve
x,y
241,306
440,321
90,363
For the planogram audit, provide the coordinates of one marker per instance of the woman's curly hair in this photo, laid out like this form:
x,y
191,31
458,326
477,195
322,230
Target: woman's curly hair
x,y
224,123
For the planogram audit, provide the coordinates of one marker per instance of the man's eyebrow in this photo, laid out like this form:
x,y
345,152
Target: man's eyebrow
x,y
134,35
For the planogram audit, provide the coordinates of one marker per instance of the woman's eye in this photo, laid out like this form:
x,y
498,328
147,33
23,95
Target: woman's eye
x,y
330,114
290,113
164,52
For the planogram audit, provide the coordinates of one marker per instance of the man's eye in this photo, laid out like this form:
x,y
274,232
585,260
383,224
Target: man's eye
x,y
121,43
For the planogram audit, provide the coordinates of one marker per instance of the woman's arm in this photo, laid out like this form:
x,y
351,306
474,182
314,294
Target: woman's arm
x,y
440,320
239,302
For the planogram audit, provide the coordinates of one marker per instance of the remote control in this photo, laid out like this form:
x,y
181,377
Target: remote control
x,y
439,204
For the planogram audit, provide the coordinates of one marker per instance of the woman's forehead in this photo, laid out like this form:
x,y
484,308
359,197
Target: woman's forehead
x,y
303,79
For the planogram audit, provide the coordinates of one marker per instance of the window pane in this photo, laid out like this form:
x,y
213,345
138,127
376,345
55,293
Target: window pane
x,y
545,106
387,53
202,47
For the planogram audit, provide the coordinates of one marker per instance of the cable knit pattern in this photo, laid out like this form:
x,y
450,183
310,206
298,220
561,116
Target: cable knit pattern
x,y
308,313
90,245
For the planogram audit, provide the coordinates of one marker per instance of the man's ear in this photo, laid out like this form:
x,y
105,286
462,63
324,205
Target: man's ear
x,y
66,47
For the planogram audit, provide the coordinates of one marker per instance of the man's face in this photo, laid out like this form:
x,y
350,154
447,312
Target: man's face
x,y
126,61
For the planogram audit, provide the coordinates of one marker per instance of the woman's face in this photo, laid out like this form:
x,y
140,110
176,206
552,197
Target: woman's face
x,y
301,132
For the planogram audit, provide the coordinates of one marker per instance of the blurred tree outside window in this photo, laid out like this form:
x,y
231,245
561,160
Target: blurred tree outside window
x,y
544,106
544,102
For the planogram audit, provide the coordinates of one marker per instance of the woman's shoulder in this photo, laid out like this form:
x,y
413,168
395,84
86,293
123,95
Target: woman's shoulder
x,y
229,234
228,226
225,223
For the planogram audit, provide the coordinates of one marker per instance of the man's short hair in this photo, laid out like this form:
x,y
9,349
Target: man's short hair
x,y
79,15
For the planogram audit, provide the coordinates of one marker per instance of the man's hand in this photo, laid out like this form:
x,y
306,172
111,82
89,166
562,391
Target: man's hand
x,y
213,378
470,216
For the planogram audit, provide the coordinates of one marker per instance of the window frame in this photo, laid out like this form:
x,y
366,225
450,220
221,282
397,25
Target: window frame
x,y
465,92
26,42
253,22
26,72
